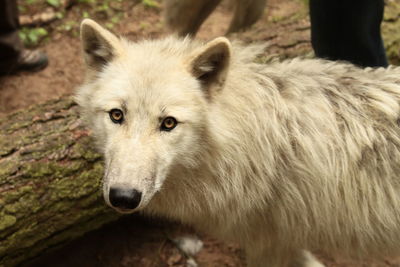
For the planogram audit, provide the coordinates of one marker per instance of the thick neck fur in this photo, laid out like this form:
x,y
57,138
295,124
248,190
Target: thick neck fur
x,y
281,140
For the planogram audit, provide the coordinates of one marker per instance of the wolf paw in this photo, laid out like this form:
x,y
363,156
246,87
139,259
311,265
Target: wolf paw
x,y
309,260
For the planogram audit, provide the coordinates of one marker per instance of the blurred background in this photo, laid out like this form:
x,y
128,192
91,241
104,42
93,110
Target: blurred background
x,y
53,25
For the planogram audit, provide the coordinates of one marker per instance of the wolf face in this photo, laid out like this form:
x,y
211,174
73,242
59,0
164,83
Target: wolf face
x,y
147,103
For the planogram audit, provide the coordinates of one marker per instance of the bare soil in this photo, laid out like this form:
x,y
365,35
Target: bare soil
x,y
137,241
133,240
285,26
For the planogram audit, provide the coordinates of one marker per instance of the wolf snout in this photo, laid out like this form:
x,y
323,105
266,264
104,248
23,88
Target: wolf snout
x,y
124,198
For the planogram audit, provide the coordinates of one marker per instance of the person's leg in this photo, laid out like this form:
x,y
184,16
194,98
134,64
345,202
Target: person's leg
x,y
10,44
13,56
324,28
348,30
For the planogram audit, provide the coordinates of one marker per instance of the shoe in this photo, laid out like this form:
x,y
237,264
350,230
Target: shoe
x,y
28,60
31,60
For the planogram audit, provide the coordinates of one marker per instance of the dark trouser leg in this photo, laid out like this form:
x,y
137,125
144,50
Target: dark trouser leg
x,y
348,30
10,44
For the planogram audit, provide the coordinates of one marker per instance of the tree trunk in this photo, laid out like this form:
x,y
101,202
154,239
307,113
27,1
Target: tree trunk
x,y
391,30
49,181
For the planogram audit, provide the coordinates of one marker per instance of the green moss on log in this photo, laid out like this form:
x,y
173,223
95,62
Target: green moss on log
x,y
7,221
391,31
49,181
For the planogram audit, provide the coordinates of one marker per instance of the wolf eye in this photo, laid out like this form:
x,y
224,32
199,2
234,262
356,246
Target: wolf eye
x,y
168,124
116,115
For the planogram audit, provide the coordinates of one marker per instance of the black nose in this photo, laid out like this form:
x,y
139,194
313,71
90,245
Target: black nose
x,y
125,198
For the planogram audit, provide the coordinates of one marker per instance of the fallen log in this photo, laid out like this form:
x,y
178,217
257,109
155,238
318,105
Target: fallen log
x,y
49,181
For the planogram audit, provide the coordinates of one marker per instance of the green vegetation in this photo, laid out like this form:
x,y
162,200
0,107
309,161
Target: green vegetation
x,y
150,3
32,36
54,3
69,14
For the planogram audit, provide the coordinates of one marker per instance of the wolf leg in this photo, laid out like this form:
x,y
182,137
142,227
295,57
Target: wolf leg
x,y
307,259
246,14
186,16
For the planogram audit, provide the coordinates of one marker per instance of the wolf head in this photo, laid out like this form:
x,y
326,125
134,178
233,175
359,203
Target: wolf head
x,y
147,104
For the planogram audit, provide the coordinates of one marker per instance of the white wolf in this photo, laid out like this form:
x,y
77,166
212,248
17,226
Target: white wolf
x,y
284,157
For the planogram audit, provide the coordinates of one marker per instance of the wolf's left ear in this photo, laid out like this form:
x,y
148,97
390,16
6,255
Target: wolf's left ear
x,y
210,63
99,45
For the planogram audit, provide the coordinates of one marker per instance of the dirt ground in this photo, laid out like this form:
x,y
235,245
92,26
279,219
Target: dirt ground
x,y
137,21
133,240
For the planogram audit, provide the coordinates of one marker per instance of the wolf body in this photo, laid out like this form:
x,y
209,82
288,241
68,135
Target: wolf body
x,y
186,16
283,157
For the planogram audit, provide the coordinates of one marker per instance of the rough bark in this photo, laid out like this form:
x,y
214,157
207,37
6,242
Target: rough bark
x,y
391,30
49,181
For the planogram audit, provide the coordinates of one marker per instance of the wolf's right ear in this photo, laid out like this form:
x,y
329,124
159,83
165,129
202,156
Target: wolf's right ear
x,y
99,45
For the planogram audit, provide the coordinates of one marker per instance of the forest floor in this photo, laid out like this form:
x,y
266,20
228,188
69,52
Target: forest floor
x,y
53,25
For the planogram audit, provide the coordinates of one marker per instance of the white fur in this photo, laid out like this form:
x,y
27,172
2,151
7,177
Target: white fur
x,y
189,245
299,154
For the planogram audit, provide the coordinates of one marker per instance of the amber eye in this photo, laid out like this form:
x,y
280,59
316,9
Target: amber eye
x,y
168,124
116,115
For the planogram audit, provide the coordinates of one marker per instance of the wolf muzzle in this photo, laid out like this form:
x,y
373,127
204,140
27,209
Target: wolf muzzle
x,y
124,198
